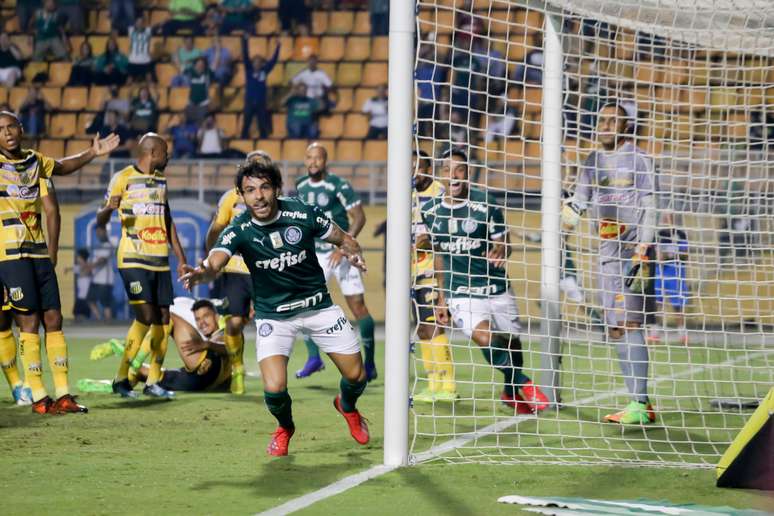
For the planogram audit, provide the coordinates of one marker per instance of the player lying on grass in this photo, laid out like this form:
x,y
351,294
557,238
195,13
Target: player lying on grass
x,y
276,237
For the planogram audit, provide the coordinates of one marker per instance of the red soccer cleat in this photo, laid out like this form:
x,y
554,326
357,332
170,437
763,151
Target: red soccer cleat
x,y
534,396
516,402
358,426
67,405
280,439
43,406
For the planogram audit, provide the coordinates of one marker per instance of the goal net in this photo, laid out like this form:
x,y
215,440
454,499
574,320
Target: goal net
x,y
693,81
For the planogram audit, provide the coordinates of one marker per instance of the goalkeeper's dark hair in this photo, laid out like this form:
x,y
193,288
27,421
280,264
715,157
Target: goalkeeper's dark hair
x,y
632,127
203,303
423,158
259,169
455,152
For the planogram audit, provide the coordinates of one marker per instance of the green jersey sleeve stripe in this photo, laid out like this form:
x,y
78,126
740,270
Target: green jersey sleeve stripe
x,y
221,249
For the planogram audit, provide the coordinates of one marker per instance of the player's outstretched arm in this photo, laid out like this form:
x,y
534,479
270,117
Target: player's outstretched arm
x,y
99,147
207,271
347,245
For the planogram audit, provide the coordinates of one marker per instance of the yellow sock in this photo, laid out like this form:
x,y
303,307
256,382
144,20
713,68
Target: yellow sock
x,y
8,358
235,347
56,351
134,339
444,366
29,349
158,352
428,362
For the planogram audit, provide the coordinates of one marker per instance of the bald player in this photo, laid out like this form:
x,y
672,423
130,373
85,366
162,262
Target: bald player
x,y
27,263
139,192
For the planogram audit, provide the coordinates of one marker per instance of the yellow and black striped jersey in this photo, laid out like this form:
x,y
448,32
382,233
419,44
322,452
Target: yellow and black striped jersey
x,y
422,260
23,183
230,206
144,240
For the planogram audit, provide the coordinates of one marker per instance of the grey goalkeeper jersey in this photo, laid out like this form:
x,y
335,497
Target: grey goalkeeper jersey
x,y
619,189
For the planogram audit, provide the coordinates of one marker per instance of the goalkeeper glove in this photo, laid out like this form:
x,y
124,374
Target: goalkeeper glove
x,y
571,212
639,274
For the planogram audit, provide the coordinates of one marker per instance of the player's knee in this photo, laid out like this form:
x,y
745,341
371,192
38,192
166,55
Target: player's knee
x,y
274,385
358,306
482,337
52,320
354,374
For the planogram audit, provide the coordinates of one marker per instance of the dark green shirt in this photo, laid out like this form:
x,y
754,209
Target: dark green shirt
x,y
333,195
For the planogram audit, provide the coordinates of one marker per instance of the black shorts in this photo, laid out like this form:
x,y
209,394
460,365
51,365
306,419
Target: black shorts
x,y
102,294
144,286
238,289
30,284
424,300
183,380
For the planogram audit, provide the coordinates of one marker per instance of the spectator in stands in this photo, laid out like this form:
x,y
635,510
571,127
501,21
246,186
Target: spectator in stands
x,y
140,66
184,59
144,112
531,72
72,12
429,74
32,112
493,63
501,120
122,12
116,103
25,12
376,108
761,130
210,139
50,38
110,122
199,79
220,62
295,16
257,70
302,113
111,67
238,15
212,20
82,274
467,82
10,62
100,294
183,131
82,70
317,83
380,17
184,15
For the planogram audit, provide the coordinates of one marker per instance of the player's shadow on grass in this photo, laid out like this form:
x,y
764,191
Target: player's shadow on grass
x,y
16,417
321,388
125,404
444,497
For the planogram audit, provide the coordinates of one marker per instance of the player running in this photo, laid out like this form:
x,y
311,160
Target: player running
x,y
433,342
276,237
26,267
336,198
470,242
140,193
618,182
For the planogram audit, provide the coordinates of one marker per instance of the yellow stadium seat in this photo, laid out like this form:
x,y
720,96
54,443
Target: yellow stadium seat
x,y
294,150
228,122
34,68
25,44
233,44
355,126
332,48
53,95
123,45
12,25
165,121
306,46
279,125
340,22
238,81
268,4
75,98
233,100
268,24
59,73
62,125
245,146
319,22
331,126
330,148
97,96
103,25
738,124
74,146
375,150
349,150
272,147
349,74
164,73
3,95
178,99
344,103
84,121
159,16
374,74
257,46
361,95
362,23
52,148
17,96
277,76
292,69
380,48
98,44
286,48
358,49
527,20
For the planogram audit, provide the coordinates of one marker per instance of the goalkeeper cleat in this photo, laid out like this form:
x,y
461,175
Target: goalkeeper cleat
x,y
426,396
124,388
238,382
67,405
43,405
107,349
371,373
155,390
313,365
358,426
280,439
635,413
516,402
22,395
534,396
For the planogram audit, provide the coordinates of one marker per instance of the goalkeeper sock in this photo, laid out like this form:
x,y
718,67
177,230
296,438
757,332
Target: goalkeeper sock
x,y
29,347
56,350
350,392
280,405
158,352
235,348
430,365
312,350
633,360
134,340
443,365
8,358
366,325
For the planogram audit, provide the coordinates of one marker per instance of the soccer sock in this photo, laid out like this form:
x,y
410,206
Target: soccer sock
x,y
29,347
142,354
134,340
312,350
350,392
443,365
366,325
633,359
235,348
8,358
56,350
430,365
158,352
280,405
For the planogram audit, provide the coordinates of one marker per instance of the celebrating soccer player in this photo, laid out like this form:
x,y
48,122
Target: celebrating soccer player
x,y
26,267
336,198
470,241
276,237
140,193
618,182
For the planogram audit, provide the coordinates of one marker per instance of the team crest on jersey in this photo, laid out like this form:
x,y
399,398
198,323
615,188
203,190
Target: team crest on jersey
x,y
293,235
16,294
265,329
135,287
469,225
323,199
276,240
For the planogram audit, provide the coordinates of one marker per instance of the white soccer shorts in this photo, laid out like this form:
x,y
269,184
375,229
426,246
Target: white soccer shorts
x,y
501,311
329,328
350,281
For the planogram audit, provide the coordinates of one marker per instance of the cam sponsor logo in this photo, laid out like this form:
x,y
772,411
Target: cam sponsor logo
x,y
477,291
135,287
293,235
299,215
16,294
340,324
153,235
281,262
301,303
265,329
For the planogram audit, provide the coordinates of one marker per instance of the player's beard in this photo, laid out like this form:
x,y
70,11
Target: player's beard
x,y
317,174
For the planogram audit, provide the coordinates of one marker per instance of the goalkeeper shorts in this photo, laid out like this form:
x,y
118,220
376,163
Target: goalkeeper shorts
x,y
621,304
500,310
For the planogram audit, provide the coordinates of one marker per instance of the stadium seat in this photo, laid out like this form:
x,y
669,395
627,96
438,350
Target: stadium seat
x,y
344,104
103,25
34,68
165,122
12,25
649,73
74,146
533,99
361,95
527,20
738,125
375,150
305,46
332,48
238,81
245,146
330,147
233,100
258,46
178,99
329,69
374,74
98,44
362,23
286,48
277,76
292,68
273,147
268,4
59,73
229,123
294,150
348,74
340,22
358,49
75,98
17,96
162,98
62,125
164,73
25,44
268,24
4,95
331,126
279,125
97,96
234,45
514,149
52,148
159,16
53,95
349,150
355,126
319,22
380,48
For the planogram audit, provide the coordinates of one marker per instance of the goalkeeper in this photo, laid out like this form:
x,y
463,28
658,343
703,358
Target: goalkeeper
x,y
618,184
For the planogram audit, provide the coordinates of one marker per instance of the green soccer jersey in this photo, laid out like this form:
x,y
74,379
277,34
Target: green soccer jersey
x,y
287,279
462,235
334,196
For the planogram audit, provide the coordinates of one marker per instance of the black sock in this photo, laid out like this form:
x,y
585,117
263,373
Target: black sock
x,y
350,392
279,404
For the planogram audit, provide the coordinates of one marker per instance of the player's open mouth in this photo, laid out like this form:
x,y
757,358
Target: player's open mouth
x,y
455,187
262,209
